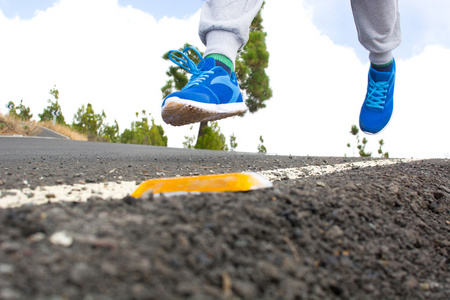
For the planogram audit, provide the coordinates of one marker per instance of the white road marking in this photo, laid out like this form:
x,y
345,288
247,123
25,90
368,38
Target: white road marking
x,y
69,193
302,172
118,190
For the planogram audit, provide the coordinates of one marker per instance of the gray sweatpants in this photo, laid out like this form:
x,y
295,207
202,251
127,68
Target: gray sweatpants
x,y
224,26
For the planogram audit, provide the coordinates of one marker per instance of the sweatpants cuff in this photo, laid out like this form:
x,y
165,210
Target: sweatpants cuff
x,y
223,42
380,58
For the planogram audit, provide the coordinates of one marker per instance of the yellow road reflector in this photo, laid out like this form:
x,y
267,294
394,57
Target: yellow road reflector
x,y
233,182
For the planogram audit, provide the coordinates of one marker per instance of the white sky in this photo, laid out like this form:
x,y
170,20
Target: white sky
x,y
108,53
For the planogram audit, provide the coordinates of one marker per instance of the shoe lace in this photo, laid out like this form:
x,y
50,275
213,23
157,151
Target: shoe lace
x,y
198,75
376,94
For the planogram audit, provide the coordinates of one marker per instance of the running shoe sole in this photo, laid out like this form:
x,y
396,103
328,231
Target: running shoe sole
x,y
178,112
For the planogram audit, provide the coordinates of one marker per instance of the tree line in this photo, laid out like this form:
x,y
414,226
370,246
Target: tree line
x,y
143,130
87,121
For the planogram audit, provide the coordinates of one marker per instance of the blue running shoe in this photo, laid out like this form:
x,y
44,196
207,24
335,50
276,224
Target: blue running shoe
x,y
211,93
377,108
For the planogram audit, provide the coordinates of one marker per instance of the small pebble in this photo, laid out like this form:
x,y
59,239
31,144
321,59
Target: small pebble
x,y
334,233
37,237
321,183
61,238
6,269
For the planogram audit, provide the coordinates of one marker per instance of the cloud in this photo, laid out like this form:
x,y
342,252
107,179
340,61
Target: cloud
x,y
94,51
423,23
24,8
175,8
420,125
110,56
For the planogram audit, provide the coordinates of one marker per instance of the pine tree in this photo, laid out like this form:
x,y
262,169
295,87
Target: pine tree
x,y
143,133
211,138
233,142
24,113
52,107
111,132
361,144
87,121
261,147
251,65
250,72
380,150
189,140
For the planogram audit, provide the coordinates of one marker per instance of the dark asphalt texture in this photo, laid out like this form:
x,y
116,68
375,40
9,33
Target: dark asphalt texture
x,y
365,233
56,161
48,133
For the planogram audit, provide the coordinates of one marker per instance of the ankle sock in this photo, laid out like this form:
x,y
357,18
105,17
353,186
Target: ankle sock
x,y
383,68
223,61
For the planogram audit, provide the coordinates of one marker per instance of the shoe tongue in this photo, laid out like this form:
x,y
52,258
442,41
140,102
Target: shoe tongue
x,y
379,76
206,64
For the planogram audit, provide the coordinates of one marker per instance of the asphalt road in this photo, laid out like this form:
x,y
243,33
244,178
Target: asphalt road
x,y
44,161
48,133
364,233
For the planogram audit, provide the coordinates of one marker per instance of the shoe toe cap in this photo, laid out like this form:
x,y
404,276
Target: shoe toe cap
x,y
373,120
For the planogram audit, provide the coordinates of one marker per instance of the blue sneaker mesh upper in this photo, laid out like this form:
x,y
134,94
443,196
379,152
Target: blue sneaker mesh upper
x,y
208,84
378,105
